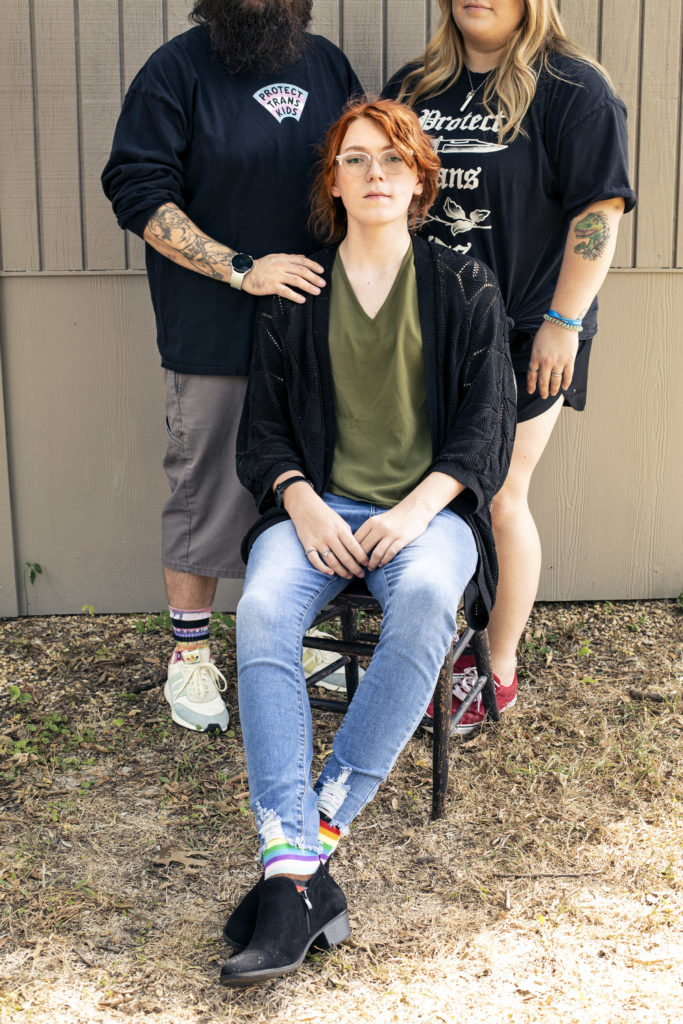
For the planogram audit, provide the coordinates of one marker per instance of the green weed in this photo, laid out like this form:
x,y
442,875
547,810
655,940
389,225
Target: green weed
x,y
17,697
31,572
640,623
153,623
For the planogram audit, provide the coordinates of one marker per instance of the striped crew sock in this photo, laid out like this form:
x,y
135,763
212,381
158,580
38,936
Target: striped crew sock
x,y
190,629
329,836
279,858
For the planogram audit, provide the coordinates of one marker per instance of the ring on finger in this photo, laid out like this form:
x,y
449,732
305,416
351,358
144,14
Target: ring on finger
x,y
530,369
325,552
308,551
556,375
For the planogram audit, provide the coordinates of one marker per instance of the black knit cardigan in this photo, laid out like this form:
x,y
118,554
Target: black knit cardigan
x,y
288,421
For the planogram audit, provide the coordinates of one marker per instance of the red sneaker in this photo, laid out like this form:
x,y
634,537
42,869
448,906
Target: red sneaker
x,y
463,681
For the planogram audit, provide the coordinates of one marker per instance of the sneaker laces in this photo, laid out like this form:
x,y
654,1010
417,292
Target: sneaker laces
x,y
202,681
464,681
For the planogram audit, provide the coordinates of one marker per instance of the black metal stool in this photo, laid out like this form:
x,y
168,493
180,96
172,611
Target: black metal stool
x,y
356,644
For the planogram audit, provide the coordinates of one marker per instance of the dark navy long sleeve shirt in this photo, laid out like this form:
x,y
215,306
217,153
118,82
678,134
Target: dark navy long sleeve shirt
x,y
235,152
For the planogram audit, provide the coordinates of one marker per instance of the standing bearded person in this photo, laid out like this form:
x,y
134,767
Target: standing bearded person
x,y
211,166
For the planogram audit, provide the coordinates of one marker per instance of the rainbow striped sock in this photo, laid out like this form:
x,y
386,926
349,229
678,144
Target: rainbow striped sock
x,y
279,858
190,629
329,836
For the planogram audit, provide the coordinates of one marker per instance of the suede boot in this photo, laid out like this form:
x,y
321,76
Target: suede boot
x,y
239,927
288,922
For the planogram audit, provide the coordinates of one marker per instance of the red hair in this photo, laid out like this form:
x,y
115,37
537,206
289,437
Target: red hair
x,y
401,125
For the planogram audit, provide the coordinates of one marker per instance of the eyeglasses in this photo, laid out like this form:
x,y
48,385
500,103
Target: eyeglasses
x,y
358,164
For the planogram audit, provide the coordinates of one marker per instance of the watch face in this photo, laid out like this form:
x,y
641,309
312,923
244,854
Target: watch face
x,y
241,262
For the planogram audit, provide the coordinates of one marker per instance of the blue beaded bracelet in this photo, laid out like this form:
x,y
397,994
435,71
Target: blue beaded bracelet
x,y
560,323
578,322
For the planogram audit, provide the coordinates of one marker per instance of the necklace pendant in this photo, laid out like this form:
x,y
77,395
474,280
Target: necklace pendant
x,y
466,104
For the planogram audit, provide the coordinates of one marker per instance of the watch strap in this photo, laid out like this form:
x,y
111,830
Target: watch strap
x,y
236,280
281,488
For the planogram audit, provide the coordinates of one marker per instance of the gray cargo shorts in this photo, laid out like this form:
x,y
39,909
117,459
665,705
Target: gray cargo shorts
x,y
208,511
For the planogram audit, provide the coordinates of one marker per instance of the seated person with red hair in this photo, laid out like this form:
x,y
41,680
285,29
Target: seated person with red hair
x,y
377,426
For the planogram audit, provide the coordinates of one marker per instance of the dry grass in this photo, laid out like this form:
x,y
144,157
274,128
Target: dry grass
x,y
552,889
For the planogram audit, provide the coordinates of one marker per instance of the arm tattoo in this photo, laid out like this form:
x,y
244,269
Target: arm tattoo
x,y
593,230
171,226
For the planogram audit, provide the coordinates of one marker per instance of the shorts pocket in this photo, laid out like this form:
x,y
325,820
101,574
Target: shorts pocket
x,y
174,438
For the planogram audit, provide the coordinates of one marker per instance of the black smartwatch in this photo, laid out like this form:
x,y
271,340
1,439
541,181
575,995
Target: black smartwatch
x,y
282,487
241,265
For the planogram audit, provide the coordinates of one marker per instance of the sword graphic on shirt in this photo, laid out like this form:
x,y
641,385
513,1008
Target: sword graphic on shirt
x,y
451,214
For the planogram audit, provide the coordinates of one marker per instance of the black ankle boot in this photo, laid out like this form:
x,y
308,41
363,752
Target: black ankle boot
x,y
239,927
288,922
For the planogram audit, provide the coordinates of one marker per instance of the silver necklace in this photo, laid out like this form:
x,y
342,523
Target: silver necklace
x,y
473,91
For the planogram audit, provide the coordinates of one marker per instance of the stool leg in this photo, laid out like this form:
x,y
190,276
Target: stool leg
x,y
442,735
482,659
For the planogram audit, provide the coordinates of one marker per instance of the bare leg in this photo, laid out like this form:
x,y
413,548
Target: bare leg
x,y
187,591
517,544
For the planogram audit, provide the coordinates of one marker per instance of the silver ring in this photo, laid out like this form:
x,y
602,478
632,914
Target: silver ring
x,y
309,551
326,552
530,370
556,375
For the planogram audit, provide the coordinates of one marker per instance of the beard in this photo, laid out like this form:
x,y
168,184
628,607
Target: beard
x,y
255,35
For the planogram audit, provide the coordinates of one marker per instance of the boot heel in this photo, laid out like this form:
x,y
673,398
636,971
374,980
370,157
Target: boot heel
x,y
337,930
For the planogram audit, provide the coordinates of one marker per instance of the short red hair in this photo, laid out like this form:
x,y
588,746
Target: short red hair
x,y
401,125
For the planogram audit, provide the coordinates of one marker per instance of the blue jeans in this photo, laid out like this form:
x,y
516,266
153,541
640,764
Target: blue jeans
x,y
419,591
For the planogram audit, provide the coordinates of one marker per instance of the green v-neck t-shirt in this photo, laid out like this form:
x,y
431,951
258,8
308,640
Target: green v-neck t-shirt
x,y
383,446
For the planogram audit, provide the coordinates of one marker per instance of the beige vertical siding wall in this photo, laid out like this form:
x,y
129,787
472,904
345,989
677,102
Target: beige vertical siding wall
x,y
81,405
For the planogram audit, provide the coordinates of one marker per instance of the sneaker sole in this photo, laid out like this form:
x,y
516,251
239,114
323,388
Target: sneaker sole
x,y
209,727
333,933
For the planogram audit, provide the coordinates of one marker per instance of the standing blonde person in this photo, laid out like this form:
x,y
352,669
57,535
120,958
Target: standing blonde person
x,y
534,181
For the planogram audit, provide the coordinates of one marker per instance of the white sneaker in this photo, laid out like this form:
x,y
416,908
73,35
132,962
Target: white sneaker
x,y
193,689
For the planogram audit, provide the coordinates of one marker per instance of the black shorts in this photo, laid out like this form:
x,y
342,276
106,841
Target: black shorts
x,y
530,406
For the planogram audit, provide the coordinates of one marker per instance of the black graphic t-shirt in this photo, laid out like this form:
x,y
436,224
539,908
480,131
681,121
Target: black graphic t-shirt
x,y
510,204
235,152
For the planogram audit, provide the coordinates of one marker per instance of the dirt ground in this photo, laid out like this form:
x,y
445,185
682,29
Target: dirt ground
x,y
553,889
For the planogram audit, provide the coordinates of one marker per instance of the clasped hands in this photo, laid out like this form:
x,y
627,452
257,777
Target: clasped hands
x,y
332,548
